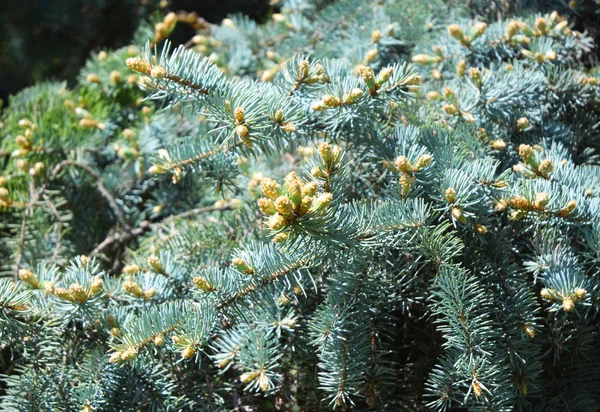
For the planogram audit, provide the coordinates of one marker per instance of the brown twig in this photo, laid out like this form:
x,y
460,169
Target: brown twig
x,y
34,195
147,225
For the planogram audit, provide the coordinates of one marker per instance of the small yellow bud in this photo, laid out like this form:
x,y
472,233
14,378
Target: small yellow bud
x,y
115,357
102,56
22,164
475,74
541,25
550,55
366,73
279,116
280,237
384,75
402,164
480,229
47,287
450,195
149,293
498,144
528,329
303,69
518,202
376,36
579,294
522,123
321,202
161,29
451,109
263,381
293,186
270,188
480,28
223,362
139,65
546,294
389,30
461,68
241,265
132,288
202,283
115,76
129,354
188,352
62,293
248,377
526,152
541,200
476,388
27,124
154,263
128,134
283,300
131,269
371,55
23,142
331,101
309,189
326,152
455,31
239,115
159,340
405,182
546,166
132,79
4,197
433,96
278,18
512,28
267,206
423,161
242,131
449,93
567,304
569,207
539,58
158,72
305,205
97,286
317,173
317,106
423,59
277,222
458,214
562,27
93,78
170,20
28,277
289,127
77,292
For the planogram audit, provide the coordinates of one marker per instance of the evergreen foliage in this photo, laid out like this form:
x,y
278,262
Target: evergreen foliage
x,y
357,205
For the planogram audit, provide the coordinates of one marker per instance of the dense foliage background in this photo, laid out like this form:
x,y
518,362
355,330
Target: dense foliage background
x,y
51,39
351,205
